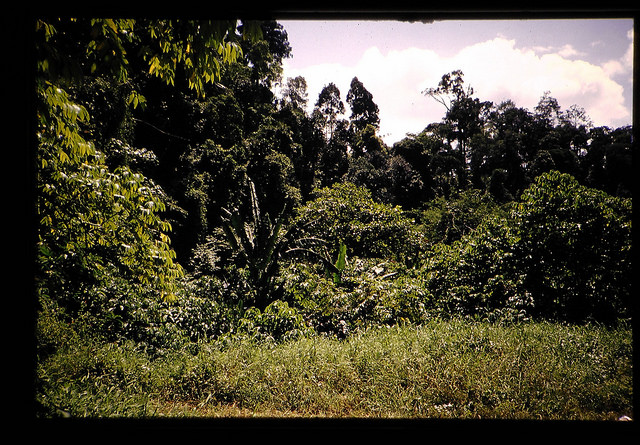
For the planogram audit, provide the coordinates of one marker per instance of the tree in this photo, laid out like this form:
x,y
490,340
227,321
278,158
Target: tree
x,y
295,92
449,90
510,146
309,143
211,179
330,106
369,163
347,213
477,276
270,153
448,220
563,253
548,110
264,55
406,187
576,116
333,161
465,115
94,221
193,135
363,110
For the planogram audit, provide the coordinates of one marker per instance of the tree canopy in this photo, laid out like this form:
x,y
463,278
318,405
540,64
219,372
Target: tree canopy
x,y
94,217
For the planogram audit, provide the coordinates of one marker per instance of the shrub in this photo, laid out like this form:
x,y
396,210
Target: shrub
x,y
372,292
347,213
278,321
562,253
477,275
447,220
575,246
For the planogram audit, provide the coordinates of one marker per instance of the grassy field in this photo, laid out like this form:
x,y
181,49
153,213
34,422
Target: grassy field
x,y
443,370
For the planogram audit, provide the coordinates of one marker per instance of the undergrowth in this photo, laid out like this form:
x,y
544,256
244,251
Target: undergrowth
x,y
443,369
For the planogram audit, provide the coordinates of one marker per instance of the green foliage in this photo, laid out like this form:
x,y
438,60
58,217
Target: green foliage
x,y
438,166
295,92
371,292
207,308
477,276
278,321
259,243
199,47
94,220
368,228
563,253
447,220
575,246
212,179
341,262
330,107
363,110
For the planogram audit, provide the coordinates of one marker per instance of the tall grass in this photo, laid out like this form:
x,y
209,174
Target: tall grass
x,y
445,369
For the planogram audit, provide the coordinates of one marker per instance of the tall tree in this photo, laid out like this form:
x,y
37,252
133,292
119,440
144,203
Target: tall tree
x,y
464,114
200,142
363,110
330,107
548,110
295,92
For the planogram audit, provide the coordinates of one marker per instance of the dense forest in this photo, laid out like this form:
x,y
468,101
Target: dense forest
x,y
179,199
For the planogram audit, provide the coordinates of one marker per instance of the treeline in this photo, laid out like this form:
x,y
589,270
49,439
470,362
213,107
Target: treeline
x,y
168,167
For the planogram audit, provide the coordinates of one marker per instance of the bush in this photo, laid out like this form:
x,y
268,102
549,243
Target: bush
x,y
277,322
478,276
447,220
575,246
562,253
372,292
347,213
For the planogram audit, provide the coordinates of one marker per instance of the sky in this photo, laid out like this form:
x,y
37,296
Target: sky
x,y
584,62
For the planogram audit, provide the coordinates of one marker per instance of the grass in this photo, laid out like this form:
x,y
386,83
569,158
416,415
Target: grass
x,y
445,369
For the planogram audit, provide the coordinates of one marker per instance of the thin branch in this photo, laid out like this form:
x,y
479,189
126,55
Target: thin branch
x,y
161,131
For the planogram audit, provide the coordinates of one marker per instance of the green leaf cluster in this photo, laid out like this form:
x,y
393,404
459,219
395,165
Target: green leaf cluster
x,y
576,247
563,252
96,219
259,242
199,48
347,213
371,292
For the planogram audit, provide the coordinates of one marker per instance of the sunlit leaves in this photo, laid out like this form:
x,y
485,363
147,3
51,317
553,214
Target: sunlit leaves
x,y
59,122
368,228
200,47
106,49
109,217
136,99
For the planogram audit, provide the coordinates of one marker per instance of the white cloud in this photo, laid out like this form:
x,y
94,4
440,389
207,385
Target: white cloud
x,y
564,50
627,59
496,69
613,68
